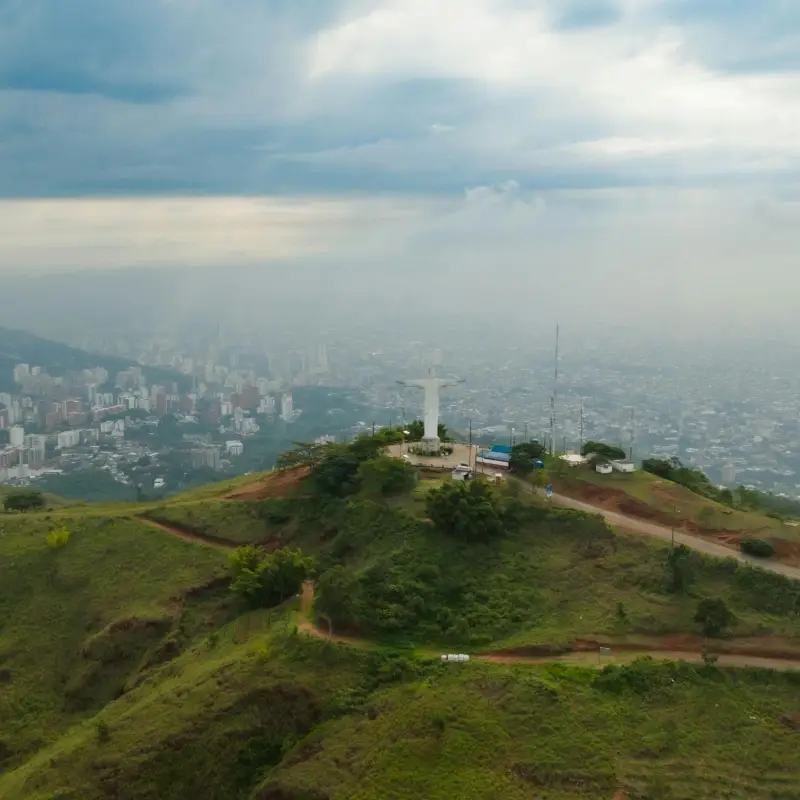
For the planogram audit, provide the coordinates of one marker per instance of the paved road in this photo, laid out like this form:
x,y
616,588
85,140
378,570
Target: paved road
x,y
659,532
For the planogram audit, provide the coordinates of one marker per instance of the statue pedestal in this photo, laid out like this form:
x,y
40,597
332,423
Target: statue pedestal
x,y
430,446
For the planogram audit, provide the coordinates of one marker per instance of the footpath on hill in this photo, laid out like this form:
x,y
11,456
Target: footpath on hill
x,y
586,652
666,534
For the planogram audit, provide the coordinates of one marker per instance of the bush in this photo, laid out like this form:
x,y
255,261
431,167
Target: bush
x,y
386,476
757,547
266,581
468,510
57,538
713,615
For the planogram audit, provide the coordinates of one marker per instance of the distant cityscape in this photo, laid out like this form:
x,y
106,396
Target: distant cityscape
x,y
229,399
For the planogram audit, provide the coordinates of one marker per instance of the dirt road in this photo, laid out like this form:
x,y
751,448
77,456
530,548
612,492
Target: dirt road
x,y
665,534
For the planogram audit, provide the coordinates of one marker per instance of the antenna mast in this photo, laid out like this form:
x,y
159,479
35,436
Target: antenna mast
x,y
581,450
553,400
630,450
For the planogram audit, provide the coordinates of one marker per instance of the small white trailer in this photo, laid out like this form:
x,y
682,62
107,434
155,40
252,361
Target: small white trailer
x,y
458,658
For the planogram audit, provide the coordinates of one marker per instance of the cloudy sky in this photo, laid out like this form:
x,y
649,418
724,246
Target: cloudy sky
x,y
629,147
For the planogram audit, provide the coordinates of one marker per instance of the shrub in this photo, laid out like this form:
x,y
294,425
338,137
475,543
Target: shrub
x,y
386,476
266,581
757,547
57,538
713,616
468,510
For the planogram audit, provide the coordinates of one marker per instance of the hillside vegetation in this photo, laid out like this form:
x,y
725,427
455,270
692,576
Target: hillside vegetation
x,y
133,668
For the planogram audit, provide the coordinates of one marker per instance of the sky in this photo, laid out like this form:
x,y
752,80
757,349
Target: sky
x,y
640,157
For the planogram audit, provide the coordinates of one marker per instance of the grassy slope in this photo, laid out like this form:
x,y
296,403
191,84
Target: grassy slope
x,y
292,719
543,585
675,501
51,500
56,606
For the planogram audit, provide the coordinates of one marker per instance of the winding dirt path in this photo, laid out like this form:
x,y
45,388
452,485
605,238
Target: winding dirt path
x,y
187,536
585,652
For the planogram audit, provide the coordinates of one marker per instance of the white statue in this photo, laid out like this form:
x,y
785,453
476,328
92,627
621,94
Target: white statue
x,y
432,386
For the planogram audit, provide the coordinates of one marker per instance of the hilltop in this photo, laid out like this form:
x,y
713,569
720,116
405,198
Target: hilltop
x,y
652,498
56,358
137,664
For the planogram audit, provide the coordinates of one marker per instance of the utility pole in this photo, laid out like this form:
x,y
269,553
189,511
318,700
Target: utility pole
x,y
581,450
526,431
373,428
553,398
630,450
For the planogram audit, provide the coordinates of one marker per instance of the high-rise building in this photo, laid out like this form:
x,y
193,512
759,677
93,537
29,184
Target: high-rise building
x,y
17,436
287,407
728,474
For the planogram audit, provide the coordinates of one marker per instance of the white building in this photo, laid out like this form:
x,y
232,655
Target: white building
x,y
67,439
728,474
287,407
623,466
21,371
16,436
234,448
604,469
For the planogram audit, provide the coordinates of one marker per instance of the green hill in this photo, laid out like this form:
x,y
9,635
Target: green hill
x,y
56,358
130,670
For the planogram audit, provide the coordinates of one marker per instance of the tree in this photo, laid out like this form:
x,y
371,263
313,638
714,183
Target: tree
x,y
337,473
524,457
168,428
24,500
386,476
658,466
336,596
265,581
680,565
601,449
365,448
303,454
468,510
713,616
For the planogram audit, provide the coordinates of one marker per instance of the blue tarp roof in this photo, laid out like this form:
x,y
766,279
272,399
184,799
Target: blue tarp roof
x,y
501,448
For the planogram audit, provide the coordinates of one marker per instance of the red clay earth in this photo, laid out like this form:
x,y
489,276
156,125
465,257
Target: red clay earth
x,y
276,484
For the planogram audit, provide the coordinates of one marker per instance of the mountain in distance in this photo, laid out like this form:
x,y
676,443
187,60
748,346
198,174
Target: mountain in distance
x,y
56,358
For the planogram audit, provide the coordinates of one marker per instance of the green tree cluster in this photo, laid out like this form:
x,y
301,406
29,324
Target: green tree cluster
x,y
713,616
524,457
25,500
607,451
263,581
467,510
386,476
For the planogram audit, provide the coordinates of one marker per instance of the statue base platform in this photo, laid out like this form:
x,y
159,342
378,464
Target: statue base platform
x,y
430,447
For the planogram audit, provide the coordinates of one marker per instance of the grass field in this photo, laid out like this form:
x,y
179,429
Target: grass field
x,y
663,502
266,715
127,671
226,520
77,623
